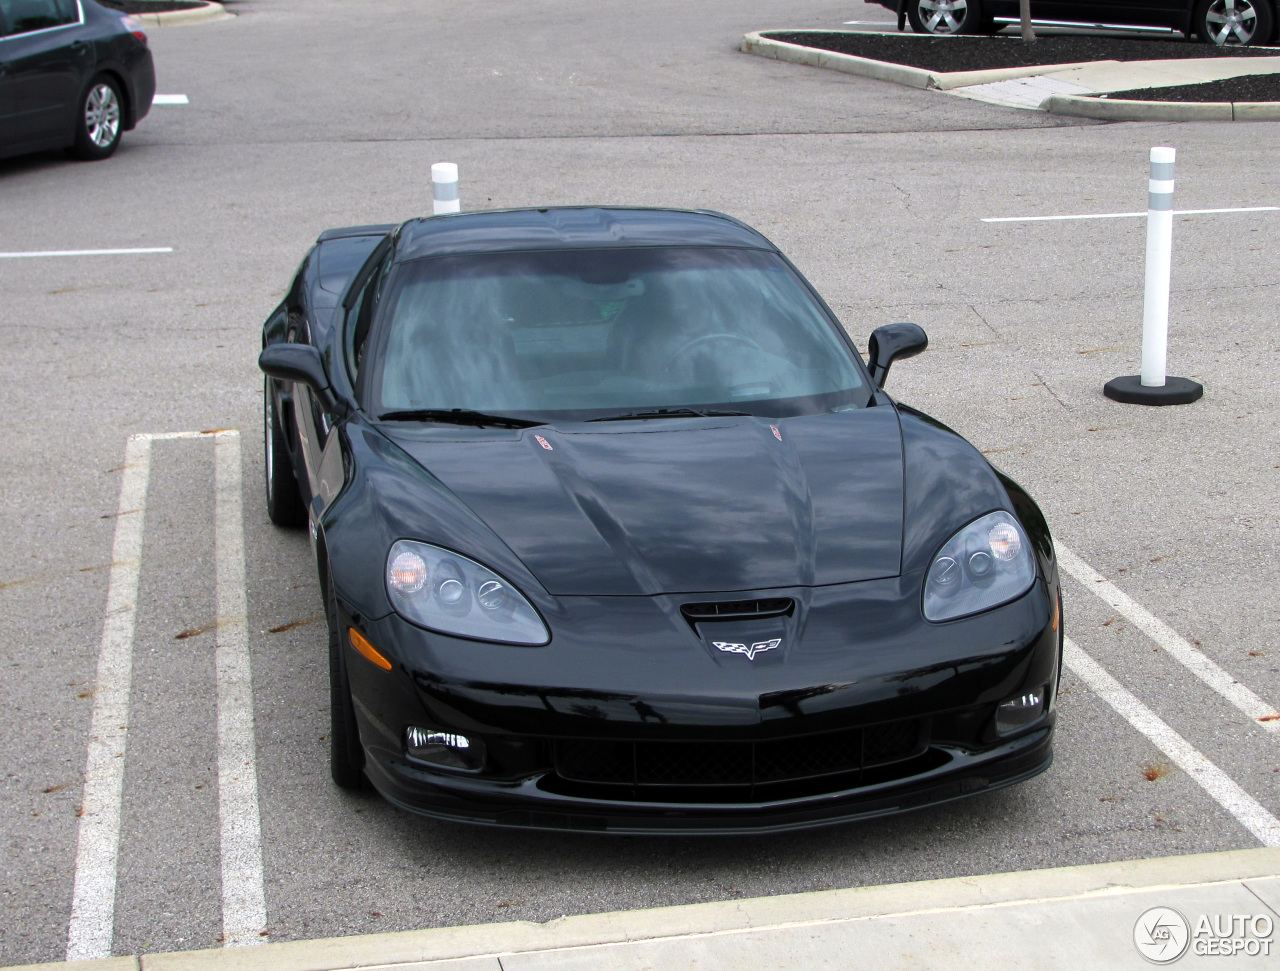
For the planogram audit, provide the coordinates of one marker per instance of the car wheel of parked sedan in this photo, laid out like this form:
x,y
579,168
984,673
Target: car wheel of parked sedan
x,y
346,757
1234,23
945,16
284,502
99,122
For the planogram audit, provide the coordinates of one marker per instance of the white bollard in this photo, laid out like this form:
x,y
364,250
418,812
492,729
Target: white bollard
x,y
1155,314
444,188
1153,386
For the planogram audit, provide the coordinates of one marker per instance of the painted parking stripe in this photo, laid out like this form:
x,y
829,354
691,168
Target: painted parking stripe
x,y
85,252
170,99
1123,215
91,929
244,909
1173,643
1220,787
92,925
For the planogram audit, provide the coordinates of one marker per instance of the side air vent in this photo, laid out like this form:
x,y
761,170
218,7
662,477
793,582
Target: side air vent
x,y
698,613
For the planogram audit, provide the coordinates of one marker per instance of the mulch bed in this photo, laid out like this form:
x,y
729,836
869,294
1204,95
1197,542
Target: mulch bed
x,y
1249,87
151,6
969,53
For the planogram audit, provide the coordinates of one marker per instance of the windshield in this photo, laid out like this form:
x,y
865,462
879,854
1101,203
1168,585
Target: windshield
x,y
588,333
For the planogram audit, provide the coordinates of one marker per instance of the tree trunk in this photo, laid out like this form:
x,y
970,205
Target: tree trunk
x,y
1028,34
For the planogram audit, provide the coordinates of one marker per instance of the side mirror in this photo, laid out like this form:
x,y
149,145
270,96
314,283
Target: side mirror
x,y
300,363
891,342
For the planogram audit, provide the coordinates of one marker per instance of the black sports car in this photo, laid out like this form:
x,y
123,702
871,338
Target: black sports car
x,y
615,531
73,75
1222,22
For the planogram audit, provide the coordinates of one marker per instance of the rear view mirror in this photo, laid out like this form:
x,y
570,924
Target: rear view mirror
x,y
891,342
299,363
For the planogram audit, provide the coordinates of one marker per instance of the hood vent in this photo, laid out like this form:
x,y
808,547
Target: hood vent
x,y
699,613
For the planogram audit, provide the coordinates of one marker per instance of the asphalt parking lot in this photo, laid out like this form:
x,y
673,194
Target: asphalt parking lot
x,y
305,115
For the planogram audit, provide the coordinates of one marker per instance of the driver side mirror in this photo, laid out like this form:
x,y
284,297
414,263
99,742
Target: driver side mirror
x,y
300,363
891,342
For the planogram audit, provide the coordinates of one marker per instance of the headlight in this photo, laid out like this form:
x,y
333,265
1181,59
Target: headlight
x,y
445,592
987,563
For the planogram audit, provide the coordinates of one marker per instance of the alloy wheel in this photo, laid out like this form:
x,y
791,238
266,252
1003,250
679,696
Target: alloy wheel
x,y
268,426
944,16
1231,22
102,115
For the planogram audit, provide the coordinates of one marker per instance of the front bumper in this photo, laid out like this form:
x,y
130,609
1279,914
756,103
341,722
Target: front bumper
x,y
526,804
680,738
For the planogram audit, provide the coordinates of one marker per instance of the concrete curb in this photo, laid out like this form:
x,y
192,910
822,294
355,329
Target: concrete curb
x,y
176,18
1097,882
1115,109
915,77
1079,106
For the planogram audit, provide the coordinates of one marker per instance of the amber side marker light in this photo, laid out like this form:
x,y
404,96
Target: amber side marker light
x,y
361,644
1057,604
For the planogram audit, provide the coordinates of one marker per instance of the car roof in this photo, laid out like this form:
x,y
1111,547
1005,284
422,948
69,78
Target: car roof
x,y
571,227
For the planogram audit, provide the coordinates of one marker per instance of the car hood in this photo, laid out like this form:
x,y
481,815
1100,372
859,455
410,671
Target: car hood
x,y
683,506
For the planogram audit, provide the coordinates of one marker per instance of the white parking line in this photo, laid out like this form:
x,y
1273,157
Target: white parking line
x,y
1174,644
244,909
1220,787
1122,215
85,252
90,932
170,99
92,925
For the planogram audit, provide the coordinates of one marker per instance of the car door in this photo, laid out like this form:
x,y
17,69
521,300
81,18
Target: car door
x,y
324,470
7,104
47,64
1139,13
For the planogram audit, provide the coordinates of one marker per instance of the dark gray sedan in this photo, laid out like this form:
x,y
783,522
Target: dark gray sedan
x,y
73,75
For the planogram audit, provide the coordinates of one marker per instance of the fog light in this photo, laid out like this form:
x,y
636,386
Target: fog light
x,y
444,748
1020,712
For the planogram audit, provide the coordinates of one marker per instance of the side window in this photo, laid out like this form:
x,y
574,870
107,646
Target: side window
x,y
361,317
23,16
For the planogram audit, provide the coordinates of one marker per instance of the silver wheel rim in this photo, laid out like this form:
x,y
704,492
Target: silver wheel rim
x,y
1231,22
945,16
267,421
102,115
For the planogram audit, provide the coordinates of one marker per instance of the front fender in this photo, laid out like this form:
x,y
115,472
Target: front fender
x,y
388,496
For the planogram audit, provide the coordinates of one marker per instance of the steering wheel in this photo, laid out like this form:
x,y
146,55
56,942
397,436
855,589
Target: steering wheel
x,y
689,345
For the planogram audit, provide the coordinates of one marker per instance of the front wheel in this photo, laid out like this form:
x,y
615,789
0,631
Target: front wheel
x,y
99,120
284,502
945,16
1235,23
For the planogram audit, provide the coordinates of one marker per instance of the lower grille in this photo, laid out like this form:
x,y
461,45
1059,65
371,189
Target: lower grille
x,y
892,742
734,763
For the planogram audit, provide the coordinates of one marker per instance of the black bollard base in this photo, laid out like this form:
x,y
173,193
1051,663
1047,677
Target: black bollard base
x,y
1131,391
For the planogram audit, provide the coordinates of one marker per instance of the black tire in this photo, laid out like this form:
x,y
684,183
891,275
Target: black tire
x,y
99,120
284,500
346,755
1256,23
946,16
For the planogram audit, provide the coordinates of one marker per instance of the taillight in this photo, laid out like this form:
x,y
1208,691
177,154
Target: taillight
x,y
135,28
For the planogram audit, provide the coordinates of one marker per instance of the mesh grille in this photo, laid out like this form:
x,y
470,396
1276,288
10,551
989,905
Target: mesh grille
x,y
693,763
804,758
892,742
731,763
588,760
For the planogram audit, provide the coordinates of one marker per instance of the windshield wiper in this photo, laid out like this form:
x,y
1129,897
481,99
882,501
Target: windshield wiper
x,y
460,416
672,413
